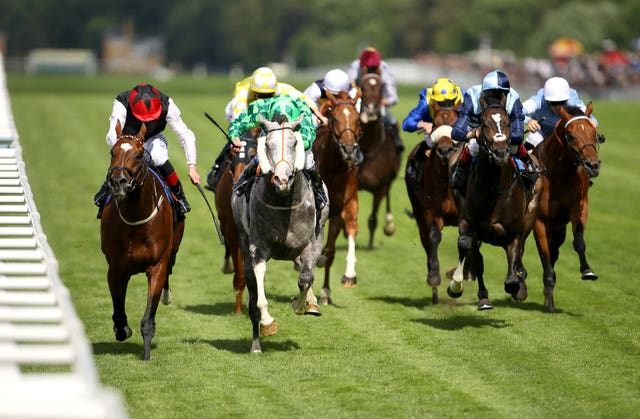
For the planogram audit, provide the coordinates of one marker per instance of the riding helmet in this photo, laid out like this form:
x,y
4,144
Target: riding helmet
x,y
263,80
496,80
144,101
445,89
336,80
370,57
556,89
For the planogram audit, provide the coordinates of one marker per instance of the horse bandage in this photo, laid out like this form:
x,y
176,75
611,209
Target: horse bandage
x,y
441,131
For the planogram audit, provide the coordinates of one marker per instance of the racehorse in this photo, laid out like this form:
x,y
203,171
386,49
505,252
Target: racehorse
x,y
381,158
497,209
138,233
335,150
279,220
224,191
431,196
568,160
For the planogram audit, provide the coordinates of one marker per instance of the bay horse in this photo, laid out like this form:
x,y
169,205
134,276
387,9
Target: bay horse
x,y
335,150
138,233
279,220
497,209
568,160
232,262
432,203
381,159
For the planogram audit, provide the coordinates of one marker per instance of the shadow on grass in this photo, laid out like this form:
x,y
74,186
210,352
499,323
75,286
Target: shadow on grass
x,y
120,348
243,346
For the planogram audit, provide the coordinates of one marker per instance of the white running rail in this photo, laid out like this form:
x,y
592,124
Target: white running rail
x,y
46,363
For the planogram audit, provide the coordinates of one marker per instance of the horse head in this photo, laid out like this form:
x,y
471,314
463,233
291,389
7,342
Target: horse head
x,y
443,119
371,86
495,133
344,123
128,166
281,152
580,138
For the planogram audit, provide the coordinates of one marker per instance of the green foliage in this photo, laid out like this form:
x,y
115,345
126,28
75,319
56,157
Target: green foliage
x,y
383,349
253,32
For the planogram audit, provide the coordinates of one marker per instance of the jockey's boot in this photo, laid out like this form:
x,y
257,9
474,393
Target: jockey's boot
x,y
318,188
528,171
213,178
181,201
247,174
461,171
170,177
101,197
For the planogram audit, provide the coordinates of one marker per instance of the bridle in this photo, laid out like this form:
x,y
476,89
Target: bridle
x,y
337,136
484,142
137,180
577,154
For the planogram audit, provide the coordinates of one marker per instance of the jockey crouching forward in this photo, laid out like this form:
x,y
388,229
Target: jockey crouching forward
x,y
495,86
292,108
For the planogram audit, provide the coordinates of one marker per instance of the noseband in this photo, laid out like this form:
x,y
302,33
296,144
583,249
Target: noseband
x,y
135,179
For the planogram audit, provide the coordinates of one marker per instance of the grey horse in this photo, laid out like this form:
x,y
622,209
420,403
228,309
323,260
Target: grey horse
x,y
278,220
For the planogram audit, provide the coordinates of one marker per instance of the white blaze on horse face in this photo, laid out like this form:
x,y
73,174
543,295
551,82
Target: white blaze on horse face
x,y
125,147
499,136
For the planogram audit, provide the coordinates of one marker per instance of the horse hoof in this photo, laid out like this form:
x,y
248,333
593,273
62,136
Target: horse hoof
x,y
389,229
269,329
255,347
312,309
484,304
511,287
166,296
227,267
589,275
325,296
322,260
123,333
453,294
349,282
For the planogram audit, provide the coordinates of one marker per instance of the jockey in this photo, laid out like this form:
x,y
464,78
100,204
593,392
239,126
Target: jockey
x,y
146,104
371,62
334,81
292,108
466,128
420,119
260,85
542,110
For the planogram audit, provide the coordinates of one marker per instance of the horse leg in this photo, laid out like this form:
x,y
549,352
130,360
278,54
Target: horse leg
x,y
328,255
156,278
456,287
305,281
254,312
165,295
118,288
511,282
238,278
484,303
389,224
227,263
540,233
373,218
580,247
268,325
433,264
350,219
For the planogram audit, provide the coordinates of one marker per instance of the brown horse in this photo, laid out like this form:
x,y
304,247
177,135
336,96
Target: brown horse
x,y
232,252
138,233
568,159
497,209
381,159
335,150
431,197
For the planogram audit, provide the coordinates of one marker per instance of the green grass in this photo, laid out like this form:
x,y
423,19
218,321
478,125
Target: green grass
x,y
383,350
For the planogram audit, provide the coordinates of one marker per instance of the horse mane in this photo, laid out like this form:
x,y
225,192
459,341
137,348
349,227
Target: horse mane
x,y
574,111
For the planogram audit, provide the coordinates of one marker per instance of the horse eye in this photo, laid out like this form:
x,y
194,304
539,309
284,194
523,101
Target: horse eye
x,y
140,155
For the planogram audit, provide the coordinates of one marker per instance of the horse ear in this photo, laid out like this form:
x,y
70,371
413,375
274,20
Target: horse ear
x,y
118,128
589,109
563,112
358,94
330,96
483,102
323,108
143,131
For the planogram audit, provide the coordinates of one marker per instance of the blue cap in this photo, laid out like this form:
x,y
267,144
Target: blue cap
x,y
496,79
